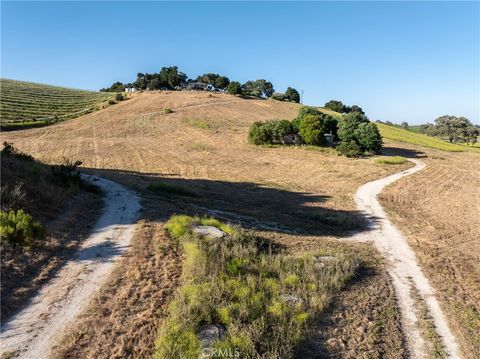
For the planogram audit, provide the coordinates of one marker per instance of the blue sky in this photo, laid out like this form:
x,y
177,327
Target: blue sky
x,y
410,61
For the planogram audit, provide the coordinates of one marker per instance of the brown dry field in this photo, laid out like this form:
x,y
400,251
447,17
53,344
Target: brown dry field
x,y
122,321
202,146
136,135
438,209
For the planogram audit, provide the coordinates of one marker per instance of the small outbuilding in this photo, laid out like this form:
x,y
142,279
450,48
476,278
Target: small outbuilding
x,y
130,89
292,139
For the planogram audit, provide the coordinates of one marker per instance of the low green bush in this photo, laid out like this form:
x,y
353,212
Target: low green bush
x,y
350,148
167,111
19,228
119,97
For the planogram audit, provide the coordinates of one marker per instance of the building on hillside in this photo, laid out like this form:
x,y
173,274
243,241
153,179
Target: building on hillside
x,y
130,89
292,139
330,139
197,86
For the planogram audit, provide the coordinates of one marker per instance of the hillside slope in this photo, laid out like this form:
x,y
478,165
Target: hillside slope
x,y
30,104
204,137
399,134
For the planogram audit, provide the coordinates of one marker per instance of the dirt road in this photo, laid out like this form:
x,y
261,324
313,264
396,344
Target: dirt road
x,y
32,332
403,267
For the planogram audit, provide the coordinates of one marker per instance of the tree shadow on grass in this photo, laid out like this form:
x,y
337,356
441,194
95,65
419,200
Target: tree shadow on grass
x,y
404,152
251,205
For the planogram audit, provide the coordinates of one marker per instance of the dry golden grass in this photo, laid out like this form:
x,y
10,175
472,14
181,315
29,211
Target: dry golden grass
x,y
122,320
301,199
438,210
137,135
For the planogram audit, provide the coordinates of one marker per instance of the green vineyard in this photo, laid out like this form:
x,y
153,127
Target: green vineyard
x,y
26,104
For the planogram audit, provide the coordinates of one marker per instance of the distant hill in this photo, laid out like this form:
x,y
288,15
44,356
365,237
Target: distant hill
x,y
26,104
398,134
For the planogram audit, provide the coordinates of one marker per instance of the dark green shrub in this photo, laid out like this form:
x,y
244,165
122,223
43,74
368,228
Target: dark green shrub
x,y
312,130
269,133
112,102
313,127
368,137
336,106
357,135
18,227
119,97
349,149
234,88
258,134
296,124
280,129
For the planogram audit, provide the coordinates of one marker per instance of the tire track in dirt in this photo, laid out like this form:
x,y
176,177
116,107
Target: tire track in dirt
x,y
33,331
402,266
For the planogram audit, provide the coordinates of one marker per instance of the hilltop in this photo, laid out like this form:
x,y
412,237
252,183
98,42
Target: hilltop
x,y
27,104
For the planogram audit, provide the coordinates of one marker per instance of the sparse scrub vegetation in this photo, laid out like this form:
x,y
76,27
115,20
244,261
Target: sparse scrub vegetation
x,y
263,298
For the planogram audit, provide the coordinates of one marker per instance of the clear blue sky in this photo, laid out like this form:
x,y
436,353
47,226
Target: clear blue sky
x,y
410,61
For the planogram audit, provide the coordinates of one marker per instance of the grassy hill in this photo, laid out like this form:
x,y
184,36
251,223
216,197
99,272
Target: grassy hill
x,y
26,104
398,134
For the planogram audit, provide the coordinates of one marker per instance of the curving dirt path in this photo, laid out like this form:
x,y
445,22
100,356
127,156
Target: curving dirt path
x,y
403,267
32,332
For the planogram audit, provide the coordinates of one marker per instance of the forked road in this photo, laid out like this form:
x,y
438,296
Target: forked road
x,y
32,332
402,266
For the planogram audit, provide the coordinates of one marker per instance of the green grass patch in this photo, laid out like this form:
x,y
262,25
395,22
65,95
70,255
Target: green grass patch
x,y
198,123
170,189
264,299
398,134
396,160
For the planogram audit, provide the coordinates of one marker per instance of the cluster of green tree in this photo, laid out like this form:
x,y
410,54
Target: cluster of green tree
x,y
171,78
291,95
452,128
339,107
168,77
354,133
216,80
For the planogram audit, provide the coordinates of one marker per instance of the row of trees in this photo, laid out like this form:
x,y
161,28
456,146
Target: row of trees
x,y
353,133
171,78
339,107
453,129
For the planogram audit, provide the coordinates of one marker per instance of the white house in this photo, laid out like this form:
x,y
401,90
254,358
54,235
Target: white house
x,y
130,89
